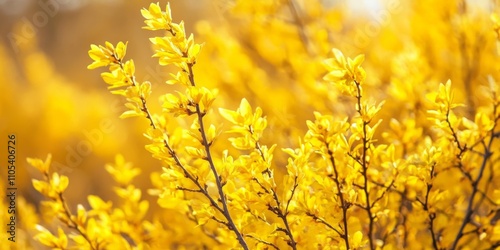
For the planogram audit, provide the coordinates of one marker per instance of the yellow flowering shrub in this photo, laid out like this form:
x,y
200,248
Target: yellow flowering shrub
x,y
271,137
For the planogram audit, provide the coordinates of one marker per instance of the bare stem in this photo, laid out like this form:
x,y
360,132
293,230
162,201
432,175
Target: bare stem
x,y
343,203
67,212
426,207
278,210
206,144
475,184
364,170
324,222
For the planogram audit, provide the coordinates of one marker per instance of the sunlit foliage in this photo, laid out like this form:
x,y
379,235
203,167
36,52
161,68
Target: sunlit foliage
x,y
289,129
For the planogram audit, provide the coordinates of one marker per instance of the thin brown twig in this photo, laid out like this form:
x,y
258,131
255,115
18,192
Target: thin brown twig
x,y
206,144
171,151
475,184
343,203
67,212
322,221
277,210
364,170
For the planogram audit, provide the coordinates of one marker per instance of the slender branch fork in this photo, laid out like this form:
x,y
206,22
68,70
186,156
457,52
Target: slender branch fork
x,y
70,222
171,151
344,204
475,183
364,165
277,210
426,207
224,209
218,181
74,224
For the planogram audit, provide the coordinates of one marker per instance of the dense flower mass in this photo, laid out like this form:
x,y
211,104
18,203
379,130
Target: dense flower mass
x,y
393,148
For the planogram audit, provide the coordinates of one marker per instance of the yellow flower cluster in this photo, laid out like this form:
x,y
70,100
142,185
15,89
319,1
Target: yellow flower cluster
x,y
423,179
103,226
